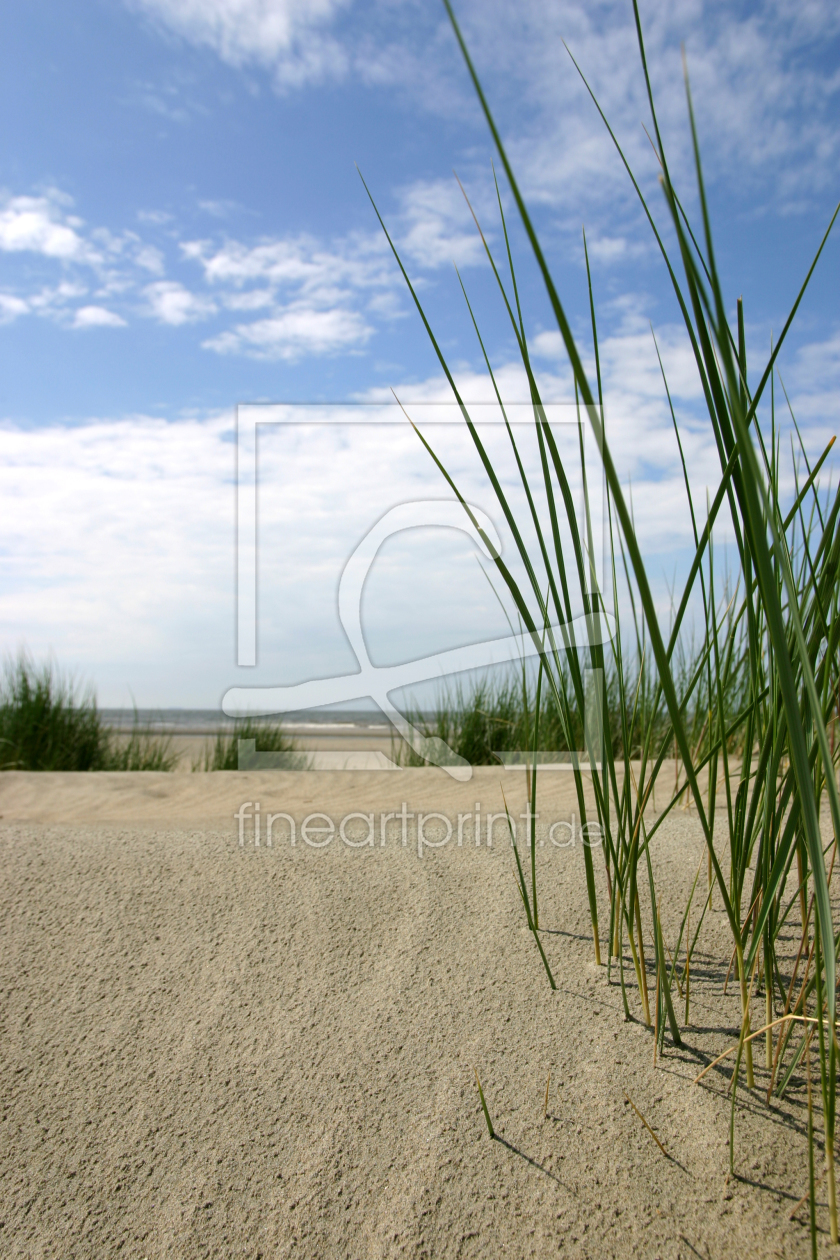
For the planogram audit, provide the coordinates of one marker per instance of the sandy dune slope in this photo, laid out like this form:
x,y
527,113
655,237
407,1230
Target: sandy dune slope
x,y
219,1050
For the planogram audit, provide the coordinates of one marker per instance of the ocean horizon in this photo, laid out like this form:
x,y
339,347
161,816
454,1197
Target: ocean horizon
x,y
209,721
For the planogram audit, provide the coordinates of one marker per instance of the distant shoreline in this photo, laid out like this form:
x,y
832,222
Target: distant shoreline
x,y
213,721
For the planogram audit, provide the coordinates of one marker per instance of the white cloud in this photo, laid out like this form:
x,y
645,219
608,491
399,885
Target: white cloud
x,y
293,332
436,227
117,555
312,293
318,296
41,225
218,209
12,307
628,359
119,534
285,34
819,361
607,249
299,261
52,298
121,538
171,303
56,303
97,317
250,301
765,107
812,381
765,104
111,263
150,259
51,301
157,218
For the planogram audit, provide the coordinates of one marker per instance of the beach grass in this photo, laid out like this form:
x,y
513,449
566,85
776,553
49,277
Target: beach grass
x,y
46,723
751,700
497,712
268,737
142,749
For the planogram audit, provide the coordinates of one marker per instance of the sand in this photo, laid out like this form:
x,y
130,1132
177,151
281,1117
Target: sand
x,y
193,747
247,1051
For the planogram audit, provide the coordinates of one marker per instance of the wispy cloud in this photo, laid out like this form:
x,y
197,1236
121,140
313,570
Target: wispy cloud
x,y
97,317
42,225
157,218
765,100
171,303
326,297
301,261
46,238
290,36
312,295
56,302
435,227
293,332
12,307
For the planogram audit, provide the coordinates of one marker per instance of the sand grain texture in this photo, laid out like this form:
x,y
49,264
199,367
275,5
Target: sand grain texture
x,y
210,1050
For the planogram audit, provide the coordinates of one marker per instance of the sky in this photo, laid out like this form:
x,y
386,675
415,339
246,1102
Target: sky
x,y
183,229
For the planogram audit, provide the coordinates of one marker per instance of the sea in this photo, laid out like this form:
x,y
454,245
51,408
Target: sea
x,y
210,721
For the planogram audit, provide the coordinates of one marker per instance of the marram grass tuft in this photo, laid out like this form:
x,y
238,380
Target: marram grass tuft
x,y
748,709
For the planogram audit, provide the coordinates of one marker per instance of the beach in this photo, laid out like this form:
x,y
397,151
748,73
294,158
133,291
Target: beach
x,y
213,1047
340,741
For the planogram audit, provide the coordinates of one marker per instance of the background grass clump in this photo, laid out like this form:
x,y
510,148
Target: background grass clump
x,y
268,737
46,725
142,750
43,726
496,713
475,720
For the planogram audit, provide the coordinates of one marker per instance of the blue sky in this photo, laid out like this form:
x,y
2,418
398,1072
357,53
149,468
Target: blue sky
x,y
182,228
